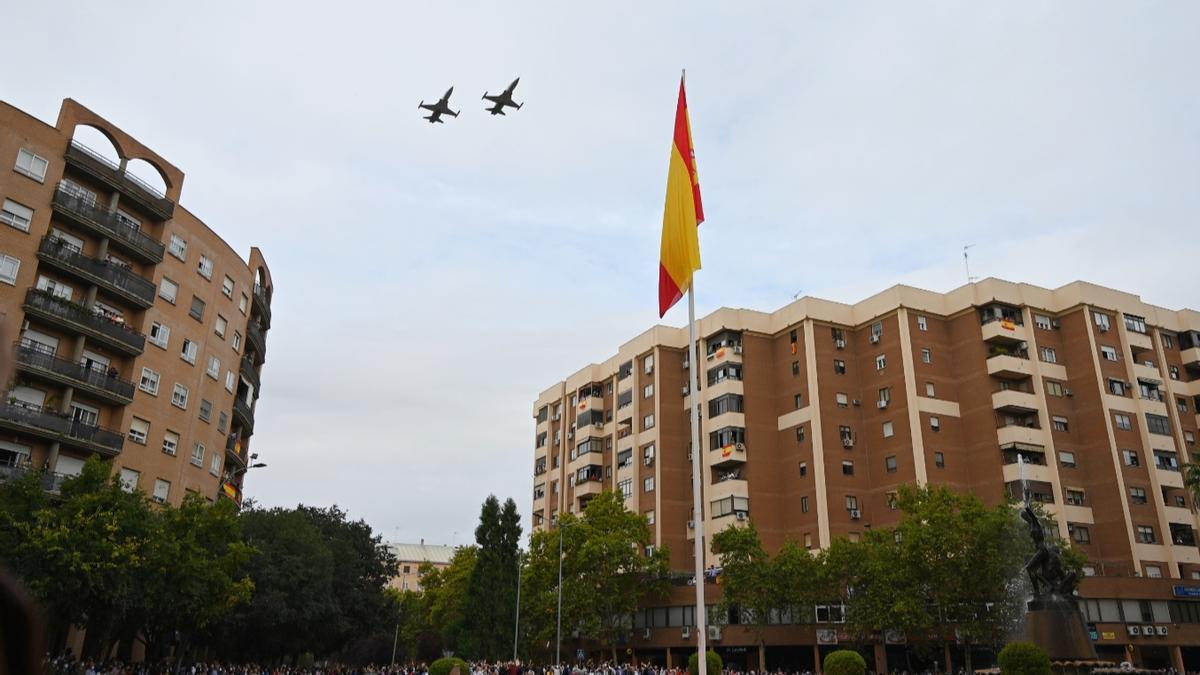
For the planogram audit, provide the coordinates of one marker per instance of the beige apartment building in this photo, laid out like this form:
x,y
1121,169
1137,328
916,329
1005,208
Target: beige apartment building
x,y
410,557
140,334
816,414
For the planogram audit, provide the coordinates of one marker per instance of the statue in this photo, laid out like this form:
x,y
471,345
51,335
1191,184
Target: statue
x,y
1046,570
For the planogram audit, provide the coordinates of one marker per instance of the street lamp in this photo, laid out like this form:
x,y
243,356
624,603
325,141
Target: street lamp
x,y
558,630
517,620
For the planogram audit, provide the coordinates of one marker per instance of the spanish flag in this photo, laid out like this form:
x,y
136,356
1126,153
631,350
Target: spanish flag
x,y
680,255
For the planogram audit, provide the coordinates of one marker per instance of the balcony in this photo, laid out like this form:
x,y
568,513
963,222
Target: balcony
x,y
1009,366
79,319
51,482
1182,535
1015,434
243,414
735,487
37,421
35,359
96,220
1040,489
1171,478
1190,356
144,196
589,487
235,450
1034,455
731,353
1139,342
257,341
113,278
262,304
1014,401
1004,332
729,456
250,371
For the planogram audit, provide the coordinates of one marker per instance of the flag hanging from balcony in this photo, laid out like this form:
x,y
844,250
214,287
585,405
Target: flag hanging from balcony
x,y
680,255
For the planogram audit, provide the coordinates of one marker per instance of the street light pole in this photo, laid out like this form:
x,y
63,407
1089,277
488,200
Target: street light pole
x,y
517,621
558,630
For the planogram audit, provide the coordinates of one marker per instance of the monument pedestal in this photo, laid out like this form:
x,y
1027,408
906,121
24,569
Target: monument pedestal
x,y
1056,625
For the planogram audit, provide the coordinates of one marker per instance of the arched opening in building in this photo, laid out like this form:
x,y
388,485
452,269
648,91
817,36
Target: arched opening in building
x,y
97,143
148,175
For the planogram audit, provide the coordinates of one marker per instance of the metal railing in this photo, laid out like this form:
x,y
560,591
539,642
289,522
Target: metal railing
x,y
51,482
60,425
242,409
111,275
32,355
130,185
262,301
257,340
47,304
248,369
108,224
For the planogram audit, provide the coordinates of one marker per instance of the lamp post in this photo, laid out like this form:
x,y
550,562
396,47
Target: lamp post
x,y
558,630
517,620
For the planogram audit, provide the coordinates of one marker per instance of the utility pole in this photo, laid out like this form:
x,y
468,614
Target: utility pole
x,y
967,264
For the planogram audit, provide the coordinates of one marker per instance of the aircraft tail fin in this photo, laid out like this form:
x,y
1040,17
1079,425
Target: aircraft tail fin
x,y
520,104
485,95
421,104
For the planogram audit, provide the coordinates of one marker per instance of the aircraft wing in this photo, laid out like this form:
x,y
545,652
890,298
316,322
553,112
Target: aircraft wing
x,y
493,99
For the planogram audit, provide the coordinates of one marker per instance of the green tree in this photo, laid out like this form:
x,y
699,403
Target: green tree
x,y
492,592
799,581
444,593
749,579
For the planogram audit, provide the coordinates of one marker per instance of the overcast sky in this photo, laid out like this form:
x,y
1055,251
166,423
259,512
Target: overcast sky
x,y
431,280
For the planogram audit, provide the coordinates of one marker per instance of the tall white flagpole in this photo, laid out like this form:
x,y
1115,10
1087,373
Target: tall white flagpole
x,y
697,501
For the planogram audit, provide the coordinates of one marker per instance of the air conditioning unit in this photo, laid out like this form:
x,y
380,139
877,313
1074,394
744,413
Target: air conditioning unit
x,y
714,632
649,461
1104,329
1055,324
1068,392
856,402
1160,630
691,524
847,442
855,514
874,339
687,632
649,370
742,515
740,447
1133,630
570,434
556,416
840,344
684,390
881,404
686,364
646,634
737,349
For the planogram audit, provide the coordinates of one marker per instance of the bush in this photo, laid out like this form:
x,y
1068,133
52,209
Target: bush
x,y
1024,658
444,666
845,662
715,665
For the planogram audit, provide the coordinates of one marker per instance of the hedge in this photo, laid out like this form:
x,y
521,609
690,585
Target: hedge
x,y
1024,658
845,662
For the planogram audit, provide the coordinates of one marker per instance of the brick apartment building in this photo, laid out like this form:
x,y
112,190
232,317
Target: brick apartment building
x,y
140,334
816,414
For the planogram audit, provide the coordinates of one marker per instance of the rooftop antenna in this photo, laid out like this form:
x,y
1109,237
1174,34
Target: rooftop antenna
x,y
967,264
797,295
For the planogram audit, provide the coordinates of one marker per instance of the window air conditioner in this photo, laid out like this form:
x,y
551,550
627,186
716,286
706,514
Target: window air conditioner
x,y
691,524
1104,329
1134,630
646,634
684,390
737,349
1161,630
855,514
1068,392
686,364
882,403
649,370
874,339
847,442
571,434
742,515
649,461
556,417
856,402
840,344
1055,324
687,632
714,632
740,447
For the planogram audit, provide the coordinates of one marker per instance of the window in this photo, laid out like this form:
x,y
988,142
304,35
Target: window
x,y
1054,388
1101,321
1168,341
893,501
922,323
847,467
888,431
803,469
178,247
1117,387
1109,353
1189,438
236,343
843,400
197,310
214,367
55,288
168,290
648,484
1048,354
1181,405
851,503
139,429
222,422
1042,321
162,490
16,215
206,267
227,287
839,366
1067,458
1060,423
179,397
725,437
939,460
648,422
926,355
795,368
1123,422
876,331
1079,534
170,443
159,334
149,382
648,453
799,401
648,391
32,165
1157,424
649,517
1075,497
885,397
129,479
1136,324
1130,457
198,454
1153,571
188,353
243,303
205,410
9,266
1145,534
231,380
804,504
880,362
220,326
935,423
800,434
890,464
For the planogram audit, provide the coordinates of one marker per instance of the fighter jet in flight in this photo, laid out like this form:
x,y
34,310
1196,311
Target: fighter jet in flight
x,y
440,108
503,99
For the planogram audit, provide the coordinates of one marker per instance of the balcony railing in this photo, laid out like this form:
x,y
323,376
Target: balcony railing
x,y
144,195
115,334
257,340
56,426
111,276
124,236
250,370
262,304
36,358
51,482
235,449
243,413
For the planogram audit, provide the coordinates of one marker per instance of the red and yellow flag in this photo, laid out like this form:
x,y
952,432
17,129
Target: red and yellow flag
x,y
680,255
